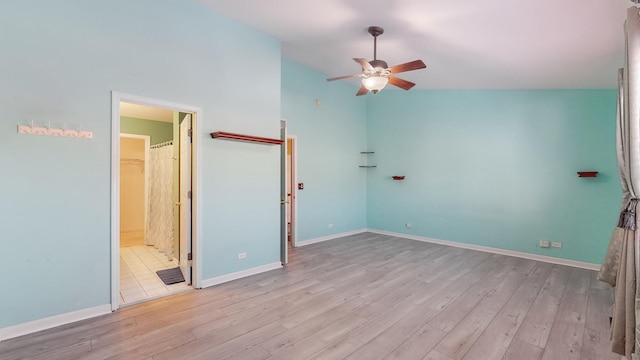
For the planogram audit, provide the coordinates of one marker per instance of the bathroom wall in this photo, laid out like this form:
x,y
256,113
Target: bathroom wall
x,y
159,131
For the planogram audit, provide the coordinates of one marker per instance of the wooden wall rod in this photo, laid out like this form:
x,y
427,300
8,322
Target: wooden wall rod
x,y
246,138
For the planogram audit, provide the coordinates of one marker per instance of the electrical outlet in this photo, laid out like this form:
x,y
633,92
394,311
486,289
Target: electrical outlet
x,y
407,225
242,255
556,244
330,226
544,243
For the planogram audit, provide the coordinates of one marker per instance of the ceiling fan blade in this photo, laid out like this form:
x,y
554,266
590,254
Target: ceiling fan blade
x,y
403,84
408,66
365,65
363,90
344,77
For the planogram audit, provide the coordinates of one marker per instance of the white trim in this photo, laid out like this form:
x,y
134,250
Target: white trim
x,y
115,201
331,237
520,254
294,189
284,209
53,321
240,274
196,228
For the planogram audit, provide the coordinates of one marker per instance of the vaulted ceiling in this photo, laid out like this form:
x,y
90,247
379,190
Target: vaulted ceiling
x,y
489,44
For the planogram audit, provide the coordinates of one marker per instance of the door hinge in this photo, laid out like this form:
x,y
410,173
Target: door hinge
x,y
189,194
190,132
189,257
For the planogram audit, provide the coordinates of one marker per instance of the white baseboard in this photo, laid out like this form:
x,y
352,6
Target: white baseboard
x,y
52,321
240,274
543,258
330,237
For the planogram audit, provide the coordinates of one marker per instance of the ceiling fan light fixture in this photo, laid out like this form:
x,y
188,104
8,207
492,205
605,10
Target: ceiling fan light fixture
x,y
375,83
376,74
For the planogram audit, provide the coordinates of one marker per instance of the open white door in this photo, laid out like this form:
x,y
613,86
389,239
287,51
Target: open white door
x,y
185,198
284,255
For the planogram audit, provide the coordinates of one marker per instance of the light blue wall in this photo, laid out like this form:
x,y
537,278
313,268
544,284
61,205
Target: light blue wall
x,y
60,61
330,138
496,168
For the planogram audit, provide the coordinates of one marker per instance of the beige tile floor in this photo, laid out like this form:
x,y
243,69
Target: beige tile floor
x,y
138,279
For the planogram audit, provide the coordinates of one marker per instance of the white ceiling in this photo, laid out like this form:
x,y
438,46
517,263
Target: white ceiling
x,y
489,44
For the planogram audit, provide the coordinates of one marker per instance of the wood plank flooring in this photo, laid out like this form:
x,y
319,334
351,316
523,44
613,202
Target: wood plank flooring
x,y
363,297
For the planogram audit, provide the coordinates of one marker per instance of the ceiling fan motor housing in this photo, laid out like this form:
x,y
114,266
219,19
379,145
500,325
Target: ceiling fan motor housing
x,y
379,64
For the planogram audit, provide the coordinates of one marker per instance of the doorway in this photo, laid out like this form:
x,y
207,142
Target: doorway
x,y
291,175
155,207
288,192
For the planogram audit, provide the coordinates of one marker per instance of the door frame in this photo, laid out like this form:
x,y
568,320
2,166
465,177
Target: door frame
x,y
196,177
284,246
184,209
294,189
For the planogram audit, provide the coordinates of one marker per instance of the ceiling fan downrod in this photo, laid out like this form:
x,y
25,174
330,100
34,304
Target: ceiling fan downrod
x,y
375,31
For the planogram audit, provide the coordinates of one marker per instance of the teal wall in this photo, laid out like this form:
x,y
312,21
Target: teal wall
x,y
496,168
60,62
330,137
158,131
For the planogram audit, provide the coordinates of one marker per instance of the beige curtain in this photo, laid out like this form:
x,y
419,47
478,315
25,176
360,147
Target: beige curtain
x,y
621,266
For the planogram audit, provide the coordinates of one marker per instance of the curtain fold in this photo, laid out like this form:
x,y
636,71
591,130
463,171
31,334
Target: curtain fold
x,y
621,266
159,227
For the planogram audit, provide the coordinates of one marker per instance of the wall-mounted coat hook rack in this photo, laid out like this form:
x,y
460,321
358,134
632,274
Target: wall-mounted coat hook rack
x,y
54,131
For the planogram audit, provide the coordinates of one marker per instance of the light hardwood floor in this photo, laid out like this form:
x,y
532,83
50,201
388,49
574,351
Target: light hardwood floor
x,y
361,297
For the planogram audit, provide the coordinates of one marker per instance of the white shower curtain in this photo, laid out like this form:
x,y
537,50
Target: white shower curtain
x,y
159,227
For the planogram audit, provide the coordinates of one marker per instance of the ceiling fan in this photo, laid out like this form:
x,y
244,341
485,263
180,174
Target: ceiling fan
x,y
376,73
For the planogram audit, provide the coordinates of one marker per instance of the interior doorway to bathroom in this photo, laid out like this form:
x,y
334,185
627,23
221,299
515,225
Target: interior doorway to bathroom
x,y
155,237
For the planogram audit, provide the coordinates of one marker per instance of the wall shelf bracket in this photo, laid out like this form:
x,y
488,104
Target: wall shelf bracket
x,y
587,173
366,159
